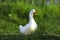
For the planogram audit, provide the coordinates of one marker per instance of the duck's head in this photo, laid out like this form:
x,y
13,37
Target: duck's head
x,y
33,12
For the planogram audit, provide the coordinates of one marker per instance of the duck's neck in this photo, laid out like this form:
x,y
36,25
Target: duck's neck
x,y
31,19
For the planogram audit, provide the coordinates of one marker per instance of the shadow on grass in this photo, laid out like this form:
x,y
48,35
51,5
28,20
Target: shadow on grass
x,y
29,37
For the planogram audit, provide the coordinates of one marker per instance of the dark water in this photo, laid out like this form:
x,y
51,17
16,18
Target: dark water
x,y
30,37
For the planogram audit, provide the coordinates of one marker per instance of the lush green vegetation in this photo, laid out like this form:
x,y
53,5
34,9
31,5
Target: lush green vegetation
x,y
13,14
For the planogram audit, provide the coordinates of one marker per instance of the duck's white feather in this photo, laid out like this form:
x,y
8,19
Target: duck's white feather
x,y
30,27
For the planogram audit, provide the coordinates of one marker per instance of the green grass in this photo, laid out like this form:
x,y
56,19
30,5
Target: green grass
x,y
14,14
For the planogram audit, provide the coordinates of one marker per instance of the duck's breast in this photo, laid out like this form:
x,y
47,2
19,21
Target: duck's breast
x,y
33,26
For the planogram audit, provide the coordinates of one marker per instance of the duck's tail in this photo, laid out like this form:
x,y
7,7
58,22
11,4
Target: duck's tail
x,y
20,26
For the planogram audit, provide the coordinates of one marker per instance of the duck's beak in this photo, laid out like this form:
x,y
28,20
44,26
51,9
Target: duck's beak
x,y
35,13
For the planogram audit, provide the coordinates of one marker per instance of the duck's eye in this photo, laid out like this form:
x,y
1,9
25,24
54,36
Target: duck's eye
x,y
35,13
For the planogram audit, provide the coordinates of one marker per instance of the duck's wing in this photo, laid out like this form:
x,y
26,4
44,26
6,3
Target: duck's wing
x,y
24,29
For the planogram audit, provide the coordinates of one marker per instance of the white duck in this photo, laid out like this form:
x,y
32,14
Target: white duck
x,y
31,26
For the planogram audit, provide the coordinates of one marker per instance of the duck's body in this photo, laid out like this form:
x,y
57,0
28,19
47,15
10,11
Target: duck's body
x,y
30,27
